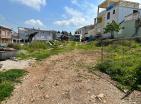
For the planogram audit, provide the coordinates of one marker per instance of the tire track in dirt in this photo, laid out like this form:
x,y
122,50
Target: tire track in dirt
x,y
64,79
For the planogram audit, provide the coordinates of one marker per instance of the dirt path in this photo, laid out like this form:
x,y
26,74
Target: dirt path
x,y
64,79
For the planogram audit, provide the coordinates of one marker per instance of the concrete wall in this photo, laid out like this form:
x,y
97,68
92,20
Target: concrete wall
x,y
129,30
112,16
44,36
120,13
124,11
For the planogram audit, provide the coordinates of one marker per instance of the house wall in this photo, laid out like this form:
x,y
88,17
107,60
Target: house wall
x,y
120,13
84,30
44,36
124,11
112,16
5,36
129,29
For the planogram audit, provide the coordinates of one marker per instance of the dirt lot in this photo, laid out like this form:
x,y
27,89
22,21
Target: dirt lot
x,y
64,79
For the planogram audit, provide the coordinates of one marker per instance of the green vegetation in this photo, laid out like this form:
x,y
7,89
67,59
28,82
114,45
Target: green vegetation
x,y
7,81
122,61
111,28
41,50
122,58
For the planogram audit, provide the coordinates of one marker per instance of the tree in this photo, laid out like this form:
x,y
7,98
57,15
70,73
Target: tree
x,y
111,28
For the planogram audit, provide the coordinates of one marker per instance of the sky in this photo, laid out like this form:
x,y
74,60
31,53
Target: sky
x,y
48,14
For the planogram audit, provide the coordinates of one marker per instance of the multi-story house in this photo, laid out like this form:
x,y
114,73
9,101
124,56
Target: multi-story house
x,y
117,10
5,35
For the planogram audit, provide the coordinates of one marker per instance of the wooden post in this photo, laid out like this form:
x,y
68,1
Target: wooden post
x,y
102,50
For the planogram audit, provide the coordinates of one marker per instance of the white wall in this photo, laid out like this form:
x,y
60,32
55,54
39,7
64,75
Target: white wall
x,y
120,13
43,36
112,16
124,11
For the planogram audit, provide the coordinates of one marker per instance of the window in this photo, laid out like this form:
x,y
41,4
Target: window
x,y
135,11
114,11
108,15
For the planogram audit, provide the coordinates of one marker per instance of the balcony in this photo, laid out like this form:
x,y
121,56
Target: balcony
x,y
103,12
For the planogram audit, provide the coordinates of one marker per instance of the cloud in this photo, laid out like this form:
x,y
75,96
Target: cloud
x,y
35,4
75,17
34,23
82,13
74,1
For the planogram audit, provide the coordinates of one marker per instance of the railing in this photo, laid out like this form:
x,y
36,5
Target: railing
x,y
133,16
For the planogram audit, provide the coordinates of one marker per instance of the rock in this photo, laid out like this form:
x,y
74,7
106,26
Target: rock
x,y
56,84
100,96
104,101
40,87
89,92
93,97
46,96
32,100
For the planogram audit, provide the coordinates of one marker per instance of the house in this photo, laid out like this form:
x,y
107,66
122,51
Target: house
x,y
83,32
31,34
44,35
5,35
117,10
15,37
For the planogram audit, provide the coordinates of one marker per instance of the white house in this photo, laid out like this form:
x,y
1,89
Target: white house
x,y
117,10
84,30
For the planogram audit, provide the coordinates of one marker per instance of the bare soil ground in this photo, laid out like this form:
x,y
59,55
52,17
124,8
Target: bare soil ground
x,y
64,79
17,64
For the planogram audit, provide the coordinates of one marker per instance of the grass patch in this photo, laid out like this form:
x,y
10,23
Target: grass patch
x,y
123,63
8,80
42,50
6,89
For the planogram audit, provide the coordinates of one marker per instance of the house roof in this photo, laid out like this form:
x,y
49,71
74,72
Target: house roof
x,y
6,28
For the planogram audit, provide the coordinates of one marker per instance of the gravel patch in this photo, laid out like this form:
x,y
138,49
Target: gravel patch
x,y
19,64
